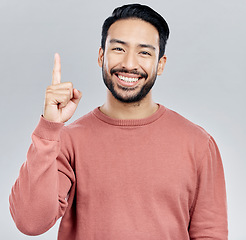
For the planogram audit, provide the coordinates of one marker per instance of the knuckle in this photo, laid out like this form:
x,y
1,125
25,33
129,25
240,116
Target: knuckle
x,y
65,97
66,92
48,92
69,85
50,88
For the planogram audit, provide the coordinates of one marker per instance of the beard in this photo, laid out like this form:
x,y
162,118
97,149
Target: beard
x,y
128,97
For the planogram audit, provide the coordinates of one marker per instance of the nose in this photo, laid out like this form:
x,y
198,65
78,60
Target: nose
x,y
130,61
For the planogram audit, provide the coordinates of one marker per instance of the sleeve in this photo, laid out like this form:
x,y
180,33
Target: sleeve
x,y
39,196
209,213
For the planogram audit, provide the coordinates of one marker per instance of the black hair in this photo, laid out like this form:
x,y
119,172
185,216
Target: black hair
x,y
142,12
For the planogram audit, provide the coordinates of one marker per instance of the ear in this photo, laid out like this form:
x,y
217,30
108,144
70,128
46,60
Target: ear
x,y
161,64
100,57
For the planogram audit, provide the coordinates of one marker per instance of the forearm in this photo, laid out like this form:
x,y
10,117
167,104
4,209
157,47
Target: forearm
x,y
35,203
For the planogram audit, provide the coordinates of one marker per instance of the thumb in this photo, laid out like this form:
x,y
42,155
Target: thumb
x,y
76,96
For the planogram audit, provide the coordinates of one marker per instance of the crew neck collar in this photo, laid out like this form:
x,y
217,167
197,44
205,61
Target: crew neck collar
x,y
130,122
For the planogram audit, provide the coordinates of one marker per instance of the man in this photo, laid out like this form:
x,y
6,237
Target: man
x,y
130,169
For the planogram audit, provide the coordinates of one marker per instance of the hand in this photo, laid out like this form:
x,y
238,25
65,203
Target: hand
x,y
61,99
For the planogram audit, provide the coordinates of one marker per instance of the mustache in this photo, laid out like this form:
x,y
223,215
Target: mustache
x,y
115,70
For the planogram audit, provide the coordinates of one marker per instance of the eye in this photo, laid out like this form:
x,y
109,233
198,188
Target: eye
x,y
145,53
118,49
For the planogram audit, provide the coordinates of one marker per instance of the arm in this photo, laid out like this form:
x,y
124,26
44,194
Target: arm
x,y
209,212
38,197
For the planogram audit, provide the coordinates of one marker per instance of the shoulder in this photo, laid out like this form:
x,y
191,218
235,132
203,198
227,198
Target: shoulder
x,y
190,136
186,134
181,125
83,121
80,126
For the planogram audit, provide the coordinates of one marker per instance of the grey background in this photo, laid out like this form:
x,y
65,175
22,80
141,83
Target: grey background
x,y
204,79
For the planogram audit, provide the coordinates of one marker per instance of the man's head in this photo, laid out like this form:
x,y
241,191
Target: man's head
x,y
144,13
132,51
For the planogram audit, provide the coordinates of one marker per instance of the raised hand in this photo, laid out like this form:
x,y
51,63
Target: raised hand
x,y
61,99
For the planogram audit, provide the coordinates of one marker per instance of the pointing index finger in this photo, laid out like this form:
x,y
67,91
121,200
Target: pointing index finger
x,y
56,75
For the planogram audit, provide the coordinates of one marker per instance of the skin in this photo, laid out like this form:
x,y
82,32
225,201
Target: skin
x,y
131,45
61,99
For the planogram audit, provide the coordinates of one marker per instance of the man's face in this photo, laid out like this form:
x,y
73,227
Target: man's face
x,y
130,62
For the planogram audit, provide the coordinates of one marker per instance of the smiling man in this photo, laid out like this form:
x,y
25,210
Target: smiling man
x,y
131,168
130,62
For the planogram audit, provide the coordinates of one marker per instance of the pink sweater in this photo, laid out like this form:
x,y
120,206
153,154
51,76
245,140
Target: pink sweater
x,y
158,178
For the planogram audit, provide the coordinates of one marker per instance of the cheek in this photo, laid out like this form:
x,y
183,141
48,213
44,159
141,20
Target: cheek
x,y
149,66
111,61
106,66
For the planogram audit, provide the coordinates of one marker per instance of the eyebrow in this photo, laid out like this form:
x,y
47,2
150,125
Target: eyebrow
x,y
117,41
125,43
147,46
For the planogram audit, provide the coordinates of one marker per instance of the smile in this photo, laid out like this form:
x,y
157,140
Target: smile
x,y
127,79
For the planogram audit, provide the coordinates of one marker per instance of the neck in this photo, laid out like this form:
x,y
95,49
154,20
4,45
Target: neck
x,y
138,110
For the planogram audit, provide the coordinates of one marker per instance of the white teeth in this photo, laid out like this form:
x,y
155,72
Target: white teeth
x,y
126,79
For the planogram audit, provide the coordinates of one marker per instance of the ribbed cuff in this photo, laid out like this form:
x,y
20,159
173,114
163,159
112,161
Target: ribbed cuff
x,y
48,130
